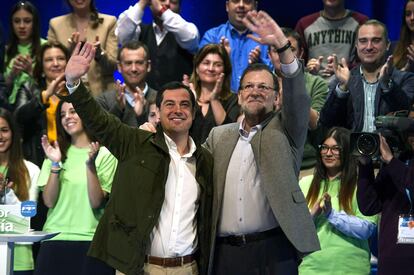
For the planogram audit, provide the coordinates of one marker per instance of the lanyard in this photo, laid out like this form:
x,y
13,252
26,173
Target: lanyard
x,y
407,163
409,199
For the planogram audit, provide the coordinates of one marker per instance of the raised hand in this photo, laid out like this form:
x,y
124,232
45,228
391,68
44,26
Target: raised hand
x,y
4,183
269,33
120,94
52,152
386,153
314,65
22,63
329,69
226,44
156,7
186,80
73,40
55,86
217,87
147,126
327,205
386,71
79,62
93,153
139,100
254,55
409,66
268,30
316,209
341,71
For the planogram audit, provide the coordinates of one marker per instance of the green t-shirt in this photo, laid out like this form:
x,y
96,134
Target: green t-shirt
x,y
22,77
72,215
339,254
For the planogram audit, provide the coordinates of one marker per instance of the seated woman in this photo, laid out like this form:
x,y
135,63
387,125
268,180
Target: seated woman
x,y
21,176
84,23
76,179
23,46
210,81
36,103
331,195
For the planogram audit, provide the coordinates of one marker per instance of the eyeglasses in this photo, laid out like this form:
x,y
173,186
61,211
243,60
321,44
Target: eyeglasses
x,y
335,150
261,88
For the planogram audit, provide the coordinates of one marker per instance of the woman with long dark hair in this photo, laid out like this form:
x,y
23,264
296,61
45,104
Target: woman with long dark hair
x,y
404,50
216,104
85,23
21,176
76,179
331,195
23,46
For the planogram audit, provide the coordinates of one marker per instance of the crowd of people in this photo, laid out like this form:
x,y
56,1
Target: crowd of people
x,y
223,153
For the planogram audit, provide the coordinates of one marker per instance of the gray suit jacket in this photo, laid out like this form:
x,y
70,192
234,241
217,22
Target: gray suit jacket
x,y
277,150
108,101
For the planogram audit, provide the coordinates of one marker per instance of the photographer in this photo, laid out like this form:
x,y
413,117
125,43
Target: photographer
x,y
390,192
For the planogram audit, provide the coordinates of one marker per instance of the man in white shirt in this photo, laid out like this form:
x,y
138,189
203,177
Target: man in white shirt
x,y
261,222
170,39
158,216
129,101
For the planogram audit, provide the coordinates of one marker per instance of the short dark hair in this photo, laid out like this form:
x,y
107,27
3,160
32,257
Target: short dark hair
x,y
374,22
133,45
174,85
255,67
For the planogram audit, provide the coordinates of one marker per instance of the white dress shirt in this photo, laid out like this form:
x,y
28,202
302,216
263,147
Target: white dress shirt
x,y
130,98
185,33
245,206
176,231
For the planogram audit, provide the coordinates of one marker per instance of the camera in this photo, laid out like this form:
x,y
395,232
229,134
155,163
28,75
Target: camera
x,y
394,128
365,144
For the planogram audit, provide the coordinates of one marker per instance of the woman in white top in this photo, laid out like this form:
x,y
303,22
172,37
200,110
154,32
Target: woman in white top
x,y
18,182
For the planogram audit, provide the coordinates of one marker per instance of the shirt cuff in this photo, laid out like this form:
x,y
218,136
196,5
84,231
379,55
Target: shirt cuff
x,y
135,13
289,69
340,93
73,88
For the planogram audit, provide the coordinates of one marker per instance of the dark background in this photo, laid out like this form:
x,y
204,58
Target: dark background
x,y
209,13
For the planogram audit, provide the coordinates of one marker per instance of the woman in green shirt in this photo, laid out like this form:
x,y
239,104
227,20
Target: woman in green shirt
x,y
76,179
331,195
23,46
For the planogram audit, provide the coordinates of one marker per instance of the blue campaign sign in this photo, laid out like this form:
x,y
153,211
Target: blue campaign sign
x,y
29,208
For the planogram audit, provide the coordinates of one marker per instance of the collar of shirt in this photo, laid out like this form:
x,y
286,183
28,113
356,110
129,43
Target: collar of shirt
x,y
363,77
159,33
234,30
130,97
248,135
172,147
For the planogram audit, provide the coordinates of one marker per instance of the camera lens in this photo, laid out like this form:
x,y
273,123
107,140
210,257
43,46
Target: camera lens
x,y
367,144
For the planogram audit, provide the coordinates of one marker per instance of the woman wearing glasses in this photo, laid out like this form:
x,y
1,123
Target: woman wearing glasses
x,y
331,195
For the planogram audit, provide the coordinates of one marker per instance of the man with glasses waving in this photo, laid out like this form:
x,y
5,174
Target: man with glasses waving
x,y
261,223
